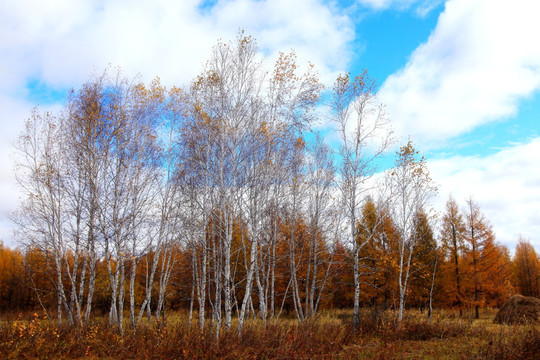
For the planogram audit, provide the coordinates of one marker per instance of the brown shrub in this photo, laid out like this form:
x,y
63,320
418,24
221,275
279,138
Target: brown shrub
x,y
519,310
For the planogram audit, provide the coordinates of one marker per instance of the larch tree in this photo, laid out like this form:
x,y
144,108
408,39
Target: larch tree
x,y
477,234
451,233
496,274
424,259
12,294
374,255
526,269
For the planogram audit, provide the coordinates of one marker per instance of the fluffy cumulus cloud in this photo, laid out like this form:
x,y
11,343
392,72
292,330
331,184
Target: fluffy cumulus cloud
x,y
477,64
57,45
61,42
505,184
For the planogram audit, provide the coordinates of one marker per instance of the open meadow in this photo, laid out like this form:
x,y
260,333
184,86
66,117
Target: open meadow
x,y
329,336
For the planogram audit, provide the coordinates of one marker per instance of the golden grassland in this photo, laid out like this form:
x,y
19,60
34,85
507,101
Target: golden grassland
x,y
329,336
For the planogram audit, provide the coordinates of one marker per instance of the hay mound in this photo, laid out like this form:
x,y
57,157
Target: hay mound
x,y
519,310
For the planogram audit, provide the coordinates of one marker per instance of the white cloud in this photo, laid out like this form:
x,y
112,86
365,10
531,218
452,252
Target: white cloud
x,y
481,59
505,184
62,42
14,112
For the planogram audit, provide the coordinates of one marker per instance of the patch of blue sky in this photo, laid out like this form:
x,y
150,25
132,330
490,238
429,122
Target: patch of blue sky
x,y
529,117
39,93
492,137
206,5
385,40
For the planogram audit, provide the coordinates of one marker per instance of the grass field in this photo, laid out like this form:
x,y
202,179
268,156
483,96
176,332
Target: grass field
x,y
329,336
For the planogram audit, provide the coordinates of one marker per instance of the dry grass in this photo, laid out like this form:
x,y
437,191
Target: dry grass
x,y
329,336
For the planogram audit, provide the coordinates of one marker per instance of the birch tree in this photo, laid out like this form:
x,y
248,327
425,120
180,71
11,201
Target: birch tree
x,y
42,219
240,111
410,190
321,219
363,130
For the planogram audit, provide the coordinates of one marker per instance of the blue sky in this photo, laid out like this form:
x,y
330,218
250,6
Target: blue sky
x,y
460,77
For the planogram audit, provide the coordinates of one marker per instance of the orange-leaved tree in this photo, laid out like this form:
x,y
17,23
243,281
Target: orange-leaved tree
x,y
488,266
451,233
526,269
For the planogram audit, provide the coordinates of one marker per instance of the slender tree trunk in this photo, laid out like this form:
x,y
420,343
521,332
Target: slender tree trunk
x,y
167,266
82,284
149,285
121,295
356,276
59,296
202,287
262,299
249,284
91,286
132,291
404,280
475,269
113,279
273,268
312,307
456,269
227,270
191,301
430,311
